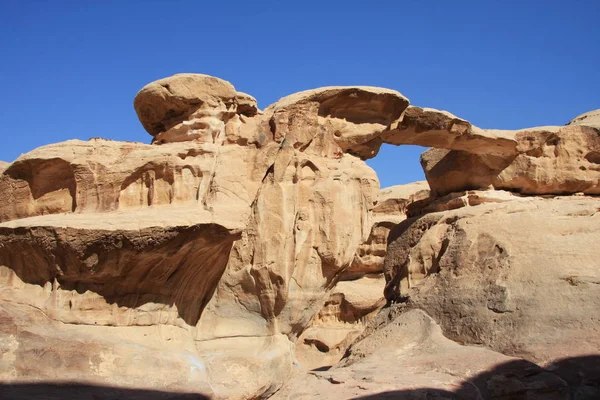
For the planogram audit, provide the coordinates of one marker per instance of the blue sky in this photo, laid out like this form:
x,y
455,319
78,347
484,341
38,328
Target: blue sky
x,y
70,69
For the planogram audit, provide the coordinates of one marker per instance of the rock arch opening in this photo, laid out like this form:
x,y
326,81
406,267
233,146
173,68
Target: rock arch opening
x,y
398,165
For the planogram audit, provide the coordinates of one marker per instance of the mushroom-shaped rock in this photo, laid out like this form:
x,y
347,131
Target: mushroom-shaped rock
x,y
591,118
336,118
165,103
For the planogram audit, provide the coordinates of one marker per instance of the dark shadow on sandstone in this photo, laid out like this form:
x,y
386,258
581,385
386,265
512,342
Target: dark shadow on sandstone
x,y
177,266
401,240
60,391
575,378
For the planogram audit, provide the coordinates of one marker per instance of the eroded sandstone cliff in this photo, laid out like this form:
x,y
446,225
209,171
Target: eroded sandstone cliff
x,y
243,241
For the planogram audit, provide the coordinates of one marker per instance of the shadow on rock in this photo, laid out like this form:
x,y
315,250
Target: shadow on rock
x,y
576,378
59,391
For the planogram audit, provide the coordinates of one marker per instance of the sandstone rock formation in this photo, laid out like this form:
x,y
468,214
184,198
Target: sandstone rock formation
x,y
389,210
242,240
551,160
349,308
120,235
358,296
404,355
191,102
3,165
591,118
516,274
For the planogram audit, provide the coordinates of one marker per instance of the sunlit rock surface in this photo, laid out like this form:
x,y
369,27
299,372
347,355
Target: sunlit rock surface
x,y
243,247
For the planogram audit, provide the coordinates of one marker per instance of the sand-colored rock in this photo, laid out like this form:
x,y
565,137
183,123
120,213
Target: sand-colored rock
x,y
389,210
332,120
242,239
551,160
441,129
3,165
351,305
38,349
517,276
96,270
105,176
591,118
123,234
294,249
358,296
162,104
406,356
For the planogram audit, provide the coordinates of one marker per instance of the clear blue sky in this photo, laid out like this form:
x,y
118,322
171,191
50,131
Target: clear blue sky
x,y
70,69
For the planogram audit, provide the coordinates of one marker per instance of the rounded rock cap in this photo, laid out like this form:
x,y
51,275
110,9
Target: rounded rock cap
x,y
166,102
357,104
590,118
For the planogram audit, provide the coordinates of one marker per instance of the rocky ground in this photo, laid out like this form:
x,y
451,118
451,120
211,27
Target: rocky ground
x,y
250,253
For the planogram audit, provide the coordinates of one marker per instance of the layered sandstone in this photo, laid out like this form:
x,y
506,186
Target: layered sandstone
x,y
498,298
225,231
212,257
390,209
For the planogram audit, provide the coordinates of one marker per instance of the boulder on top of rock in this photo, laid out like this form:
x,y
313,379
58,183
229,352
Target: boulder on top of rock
x,y
162,104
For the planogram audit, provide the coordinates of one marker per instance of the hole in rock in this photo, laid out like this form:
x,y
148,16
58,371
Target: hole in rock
x,y
398,165
593,157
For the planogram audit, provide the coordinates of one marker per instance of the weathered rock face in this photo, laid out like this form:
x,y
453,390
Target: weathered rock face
x,y
516,274
404,355
294,247
166,103
542,160
105,176
358,295
208,255
350,306
551,160
441,129
591,118
227,232
390,209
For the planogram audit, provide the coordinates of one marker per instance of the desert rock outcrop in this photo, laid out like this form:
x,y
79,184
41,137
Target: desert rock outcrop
x,y
551,160
389,210
227,231
516,274
210,257
404,355
358,295
591,118
165,103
